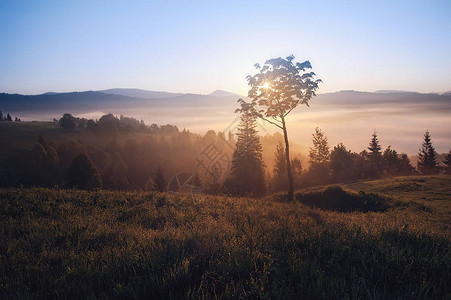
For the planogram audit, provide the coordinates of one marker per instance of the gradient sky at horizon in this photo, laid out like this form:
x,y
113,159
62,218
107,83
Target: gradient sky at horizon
x,y
201,46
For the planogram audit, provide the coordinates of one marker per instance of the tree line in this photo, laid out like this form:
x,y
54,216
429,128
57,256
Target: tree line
x,y
113,153
8,117
326,165
114,157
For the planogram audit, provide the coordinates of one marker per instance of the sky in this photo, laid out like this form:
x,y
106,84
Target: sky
x,y
202,46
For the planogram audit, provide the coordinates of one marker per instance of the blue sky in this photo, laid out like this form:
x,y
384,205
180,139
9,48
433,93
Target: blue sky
x,y
201,46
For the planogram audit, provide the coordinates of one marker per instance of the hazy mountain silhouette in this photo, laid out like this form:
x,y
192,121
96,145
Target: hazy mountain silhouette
x,y
388,99
139,93
391,91
222,93
80,101
116,98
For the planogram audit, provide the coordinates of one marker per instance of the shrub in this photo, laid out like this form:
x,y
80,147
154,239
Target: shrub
x,y
337,199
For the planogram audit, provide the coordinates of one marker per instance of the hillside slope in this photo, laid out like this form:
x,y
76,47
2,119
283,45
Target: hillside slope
x,y
99,244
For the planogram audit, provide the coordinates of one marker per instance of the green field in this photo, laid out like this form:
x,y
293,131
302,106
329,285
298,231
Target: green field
x,y
104,244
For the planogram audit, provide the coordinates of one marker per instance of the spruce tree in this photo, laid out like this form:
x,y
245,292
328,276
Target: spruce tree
x,y
374,157
374,147
320,153
319,157
427,162
247,173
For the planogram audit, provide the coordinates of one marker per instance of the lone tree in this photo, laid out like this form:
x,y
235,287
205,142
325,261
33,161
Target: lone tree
x,y
82,174
279,87
427,162
247,174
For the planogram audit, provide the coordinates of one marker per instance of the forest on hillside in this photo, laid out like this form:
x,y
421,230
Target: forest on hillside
x,y
123,153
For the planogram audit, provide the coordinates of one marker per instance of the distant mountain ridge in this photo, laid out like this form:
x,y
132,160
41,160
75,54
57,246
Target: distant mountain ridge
x,y
139,93
113,99
222,93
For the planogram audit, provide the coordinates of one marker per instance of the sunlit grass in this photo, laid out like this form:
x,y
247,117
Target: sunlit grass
x,y
103,244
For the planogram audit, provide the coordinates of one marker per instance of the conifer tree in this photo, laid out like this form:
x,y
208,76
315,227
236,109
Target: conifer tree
x,y
396,164
247,174
341,163
320,153
374,147
427,162
374,157
319,157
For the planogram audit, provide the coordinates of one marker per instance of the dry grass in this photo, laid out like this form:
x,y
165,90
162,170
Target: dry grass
x,y
77,244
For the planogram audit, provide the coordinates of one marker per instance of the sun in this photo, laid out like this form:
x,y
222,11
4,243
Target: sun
x,y
265,85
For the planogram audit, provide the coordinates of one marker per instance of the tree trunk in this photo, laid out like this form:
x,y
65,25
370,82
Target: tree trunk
x,y
287,156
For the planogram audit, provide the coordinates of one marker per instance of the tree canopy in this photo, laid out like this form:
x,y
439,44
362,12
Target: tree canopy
x,y
67,122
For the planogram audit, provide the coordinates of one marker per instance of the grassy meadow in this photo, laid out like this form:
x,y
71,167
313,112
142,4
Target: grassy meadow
x,y
382,239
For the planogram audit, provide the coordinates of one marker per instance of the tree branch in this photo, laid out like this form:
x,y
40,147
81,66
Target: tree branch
x,y
275,124
285,114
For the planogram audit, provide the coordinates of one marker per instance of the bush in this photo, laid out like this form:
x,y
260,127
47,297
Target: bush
x,y
337,199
